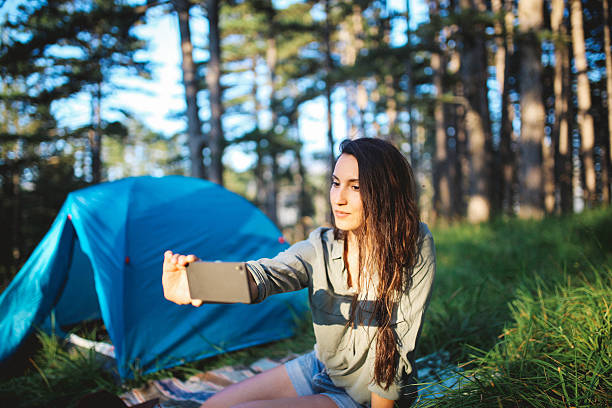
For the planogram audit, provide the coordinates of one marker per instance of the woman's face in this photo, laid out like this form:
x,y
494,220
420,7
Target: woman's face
x,y
344,194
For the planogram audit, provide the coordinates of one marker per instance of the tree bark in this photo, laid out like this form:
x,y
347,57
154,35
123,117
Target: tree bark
x,y
474,77
391,109
328,68
532,111
190,83
442,193
18,247
507,134
460,160
95,135
271,59
260,186
503,166
410,97
387,82
561,128
350,32
607,46
273,191
583,93
213,81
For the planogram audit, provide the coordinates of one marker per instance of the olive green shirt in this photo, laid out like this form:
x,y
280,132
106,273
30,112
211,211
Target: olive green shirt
x,y
348,351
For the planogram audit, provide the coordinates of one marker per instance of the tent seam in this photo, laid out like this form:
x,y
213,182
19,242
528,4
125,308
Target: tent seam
x,y
123,263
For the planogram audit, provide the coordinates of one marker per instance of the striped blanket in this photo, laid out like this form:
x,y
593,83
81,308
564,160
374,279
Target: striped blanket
x,y
435,374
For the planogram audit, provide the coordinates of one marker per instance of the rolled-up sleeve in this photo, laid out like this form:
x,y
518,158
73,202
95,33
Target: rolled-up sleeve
x,y
411,310
288,271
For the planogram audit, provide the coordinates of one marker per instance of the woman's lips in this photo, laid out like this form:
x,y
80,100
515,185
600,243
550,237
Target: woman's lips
x,y
341,214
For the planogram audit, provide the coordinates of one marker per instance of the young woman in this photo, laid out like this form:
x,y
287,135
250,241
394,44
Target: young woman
x,y
369,282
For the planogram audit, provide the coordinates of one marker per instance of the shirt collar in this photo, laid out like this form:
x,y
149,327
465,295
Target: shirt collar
x,y
337,249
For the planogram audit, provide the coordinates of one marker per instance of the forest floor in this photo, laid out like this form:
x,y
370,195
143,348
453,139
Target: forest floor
x,y
524,307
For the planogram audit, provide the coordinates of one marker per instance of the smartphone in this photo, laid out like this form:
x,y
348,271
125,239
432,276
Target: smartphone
x,y
219,282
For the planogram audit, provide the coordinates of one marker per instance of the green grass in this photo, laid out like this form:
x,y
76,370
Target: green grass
x,y
480,268
524,306
57,377
557,352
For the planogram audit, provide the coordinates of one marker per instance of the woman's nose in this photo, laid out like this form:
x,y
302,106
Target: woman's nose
x,y
340,197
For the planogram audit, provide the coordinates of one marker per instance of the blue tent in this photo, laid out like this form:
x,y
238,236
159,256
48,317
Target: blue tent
x,y
102,258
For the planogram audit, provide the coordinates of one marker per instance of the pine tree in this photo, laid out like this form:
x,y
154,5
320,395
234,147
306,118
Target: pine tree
x,y
213,81
562,126
191,84
477,119
74,47
532,111
583,93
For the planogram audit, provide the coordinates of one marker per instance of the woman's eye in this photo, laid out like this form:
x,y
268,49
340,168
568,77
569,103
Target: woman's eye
x,y
356,188
335,183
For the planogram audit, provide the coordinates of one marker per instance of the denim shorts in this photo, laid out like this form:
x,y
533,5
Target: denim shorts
x,y
309,377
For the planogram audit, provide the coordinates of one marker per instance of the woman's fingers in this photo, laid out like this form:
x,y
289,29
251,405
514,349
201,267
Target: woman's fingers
x,y
183,260
196,302
176,262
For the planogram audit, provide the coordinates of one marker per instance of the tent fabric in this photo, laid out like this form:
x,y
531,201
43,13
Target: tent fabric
x,y
102,258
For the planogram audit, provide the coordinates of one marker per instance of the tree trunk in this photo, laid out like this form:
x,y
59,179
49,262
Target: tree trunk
x,y
549,145
497,181
583,92
190,82
362,104
460,166
386,82
302,195
350,33
273,192
271,58
18,244
9,253
502,169
351,111
391,109
328,68
607,46
474,77
507,134
95,135
442,194
532,111
213,81
561,128
260,186
410,97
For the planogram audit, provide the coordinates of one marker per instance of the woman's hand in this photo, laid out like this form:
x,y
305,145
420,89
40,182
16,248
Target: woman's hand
x,y
174,278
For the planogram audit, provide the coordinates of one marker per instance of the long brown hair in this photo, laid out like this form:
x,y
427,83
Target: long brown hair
x,y
389,234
